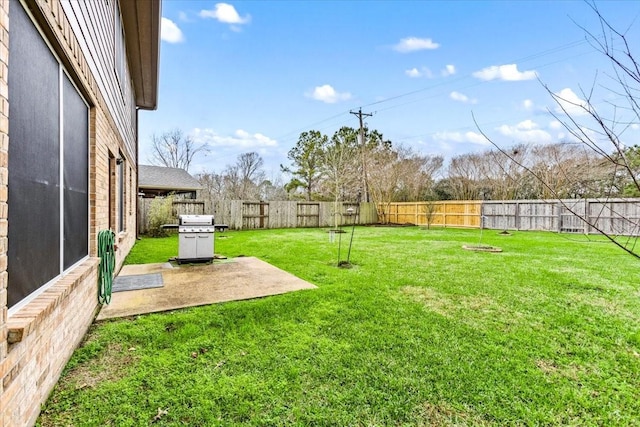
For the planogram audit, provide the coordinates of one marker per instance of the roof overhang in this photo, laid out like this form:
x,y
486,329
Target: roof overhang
x,y
167,187
141,20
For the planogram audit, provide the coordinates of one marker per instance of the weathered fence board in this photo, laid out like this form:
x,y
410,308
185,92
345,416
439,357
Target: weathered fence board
x,y
610,216
238,214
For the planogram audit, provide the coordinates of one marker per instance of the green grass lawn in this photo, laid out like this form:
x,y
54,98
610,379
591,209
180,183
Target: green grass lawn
x,y
418,333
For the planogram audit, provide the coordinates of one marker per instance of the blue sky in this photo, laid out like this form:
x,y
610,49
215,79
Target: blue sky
x,y
251,76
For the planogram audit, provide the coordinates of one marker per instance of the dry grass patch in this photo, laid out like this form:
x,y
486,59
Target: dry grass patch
x,y
441,414
473,310
109,365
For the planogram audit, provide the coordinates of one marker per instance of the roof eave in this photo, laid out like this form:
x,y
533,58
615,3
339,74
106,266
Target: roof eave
x,y
141,20
167,187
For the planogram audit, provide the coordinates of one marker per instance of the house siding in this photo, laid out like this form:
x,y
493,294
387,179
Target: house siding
x,y
96,21
37,339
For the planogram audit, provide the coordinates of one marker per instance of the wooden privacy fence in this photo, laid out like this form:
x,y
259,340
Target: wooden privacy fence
x,y
242,215
611,216
451,213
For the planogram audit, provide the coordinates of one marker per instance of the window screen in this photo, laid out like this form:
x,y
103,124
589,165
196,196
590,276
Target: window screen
x,y
34,167
40,205
76,180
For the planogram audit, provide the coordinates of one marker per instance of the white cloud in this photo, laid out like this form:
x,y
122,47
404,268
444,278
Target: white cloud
x,y
507,72
422,72
240,139
414,72
412,44
471,137
170,32
527,104
571,103
326,93
635,126
555,125
526,131
457,96
226,14
448,70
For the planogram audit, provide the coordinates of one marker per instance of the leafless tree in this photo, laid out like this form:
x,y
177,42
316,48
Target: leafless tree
x,y
272,188
465,174
601,127
340,166
250,173
418,177
212,186
397,171
174,149
506,179
429,211
243,180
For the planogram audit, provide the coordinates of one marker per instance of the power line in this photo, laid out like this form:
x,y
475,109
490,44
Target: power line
x,y
550,51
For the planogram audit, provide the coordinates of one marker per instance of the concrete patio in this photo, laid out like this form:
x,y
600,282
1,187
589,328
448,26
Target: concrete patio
x,y
193,285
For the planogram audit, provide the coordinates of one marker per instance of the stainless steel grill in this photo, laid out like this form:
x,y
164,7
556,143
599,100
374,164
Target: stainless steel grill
x,y
195,238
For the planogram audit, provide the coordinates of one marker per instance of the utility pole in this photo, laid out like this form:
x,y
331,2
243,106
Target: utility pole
x,y
365,187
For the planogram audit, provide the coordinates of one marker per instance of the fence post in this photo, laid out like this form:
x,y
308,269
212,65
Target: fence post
x,y
587,208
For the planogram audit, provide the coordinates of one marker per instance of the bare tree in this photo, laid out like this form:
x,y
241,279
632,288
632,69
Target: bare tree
x,y
601,128
272,188
465,174
395,172
340,168
418,177
506,179
174,149
250,173
429,209
212,186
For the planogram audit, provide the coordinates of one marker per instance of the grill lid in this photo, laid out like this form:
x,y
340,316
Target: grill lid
x,y
196,219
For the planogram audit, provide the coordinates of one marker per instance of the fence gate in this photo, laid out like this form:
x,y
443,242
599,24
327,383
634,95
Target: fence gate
x,y
255,215
308,214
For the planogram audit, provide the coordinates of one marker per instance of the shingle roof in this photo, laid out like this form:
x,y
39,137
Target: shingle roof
x,y
160,177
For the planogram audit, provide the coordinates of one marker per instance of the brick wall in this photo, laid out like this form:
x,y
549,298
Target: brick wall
x,y
37,340
4,149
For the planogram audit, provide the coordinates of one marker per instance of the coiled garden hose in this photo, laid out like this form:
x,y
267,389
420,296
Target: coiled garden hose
x,y
106,252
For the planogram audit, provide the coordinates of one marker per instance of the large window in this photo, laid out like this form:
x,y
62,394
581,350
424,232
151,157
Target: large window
x,y
48,163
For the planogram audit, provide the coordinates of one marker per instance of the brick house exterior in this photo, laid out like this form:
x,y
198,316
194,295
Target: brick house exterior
x,y
96,64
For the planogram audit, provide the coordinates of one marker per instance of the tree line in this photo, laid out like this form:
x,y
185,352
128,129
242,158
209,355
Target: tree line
x,y
341,168
345,167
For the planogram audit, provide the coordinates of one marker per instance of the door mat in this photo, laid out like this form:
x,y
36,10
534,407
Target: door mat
x,y
139,281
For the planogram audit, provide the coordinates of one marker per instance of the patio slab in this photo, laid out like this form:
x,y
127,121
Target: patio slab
x,y
193,285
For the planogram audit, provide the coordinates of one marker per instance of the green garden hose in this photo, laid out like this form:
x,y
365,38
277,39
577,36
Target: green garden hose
x,y
106,252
